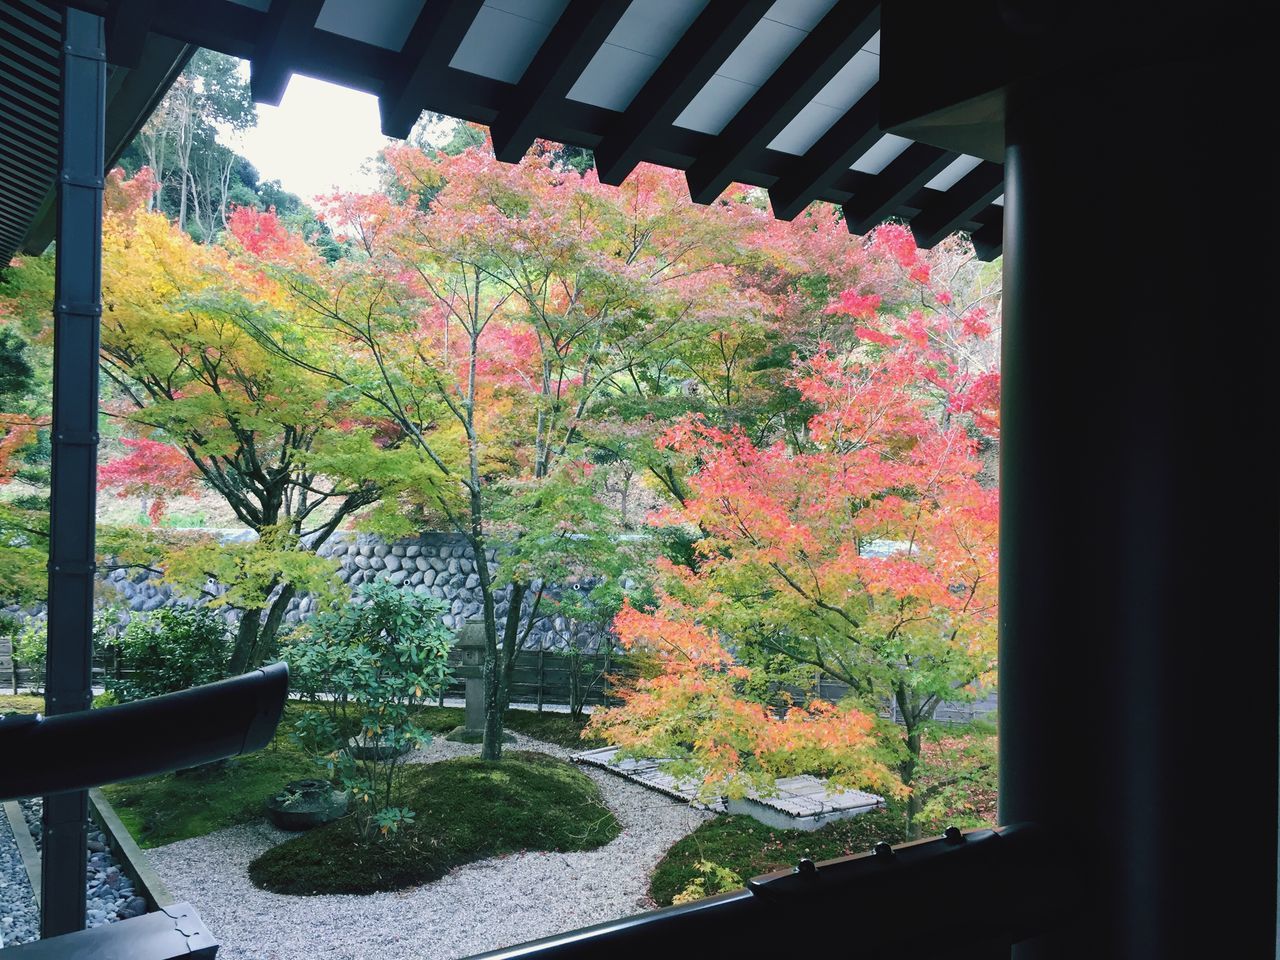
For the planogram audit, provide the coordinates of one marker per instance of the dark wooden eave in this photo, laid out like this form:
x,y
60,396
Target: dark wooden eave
x,y
419,75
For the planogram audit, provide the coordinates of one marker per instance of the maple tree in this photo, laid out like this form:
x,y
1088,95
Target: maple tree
x,y
24,421
152,470
865,550
487,315
273,442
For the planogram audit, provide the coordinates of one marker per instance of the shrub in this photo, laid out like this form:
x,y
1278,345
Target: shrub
x,y
173,649
371,666
704,861
31,649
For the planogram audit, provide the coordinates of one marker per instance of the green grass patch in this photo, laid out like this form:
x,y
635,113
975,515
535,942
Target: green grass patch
x,y
465,810
549,727
749,848
178,806
21,703
557,728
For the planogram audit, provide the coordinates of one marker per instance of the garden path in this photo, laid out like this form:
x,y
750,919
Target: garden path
x,y
481,906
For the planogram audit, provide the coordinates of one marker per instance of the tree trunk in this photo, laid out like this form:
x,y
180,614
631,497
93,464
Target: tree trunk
x,y
907,771
907,768
511,643
268,646
491,744
246,641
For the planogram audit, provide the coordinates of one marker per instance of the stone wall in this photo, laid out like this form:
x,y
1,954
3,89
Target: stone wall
x,y
442,565
439,565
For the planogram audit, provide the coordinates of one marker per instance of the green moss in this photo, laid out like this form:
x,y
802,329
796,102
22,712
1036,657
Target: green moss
x,y
549,727
558,728
749,848
465,810
22,703
177,806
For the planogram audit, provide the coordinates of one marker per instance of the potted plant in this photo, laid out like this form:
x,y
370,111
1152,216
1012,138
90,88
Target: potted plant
x,y
304,804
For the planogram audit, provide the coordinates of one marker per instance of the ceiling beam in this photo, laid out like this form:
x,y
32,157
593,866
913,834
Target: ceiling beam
x,y
894,186
694,59
285,30
127,24
573,41
819,57
827,160
423,62
952,209
988,240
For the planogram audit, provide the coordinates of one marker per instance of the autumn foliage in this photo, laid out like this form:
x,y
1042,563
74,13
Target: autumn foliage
x,y
866,552
152,470
803,422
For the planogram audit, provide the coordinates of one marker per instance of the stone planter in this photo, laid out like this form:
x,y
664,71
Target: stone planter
x,y
304,804
363,748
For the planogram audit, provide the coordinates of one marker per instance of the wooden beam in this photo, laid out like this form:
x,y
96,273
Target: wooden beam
x,y
954,208
694,59
128,22
894,185
423,62
285,29
818,58
573,41
827,160
988,240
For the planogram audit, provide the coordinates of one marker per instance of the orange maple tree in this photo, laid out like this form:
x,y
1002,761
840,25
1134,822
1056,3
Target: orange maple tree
x,y
866,554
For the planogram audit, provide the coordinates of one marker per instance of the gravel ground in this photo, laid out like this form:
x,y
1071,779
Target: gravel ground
x,y
481,906
19,917
109,894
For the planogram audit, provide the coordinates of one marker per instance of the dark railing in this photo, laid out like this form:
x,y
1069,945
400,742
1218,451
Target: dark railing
x,y
963,895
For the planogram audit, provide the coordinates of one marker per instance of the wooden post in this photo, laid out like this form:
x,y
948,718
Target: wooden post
x,y
541,677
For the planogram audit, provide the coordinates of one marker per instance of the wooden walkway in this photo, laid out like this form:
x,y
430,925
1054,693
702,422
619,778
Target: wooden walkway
x,y
798,803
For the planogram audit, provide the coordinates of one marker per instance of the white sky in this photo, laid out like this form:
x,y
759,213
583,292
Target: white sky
x,y
319,138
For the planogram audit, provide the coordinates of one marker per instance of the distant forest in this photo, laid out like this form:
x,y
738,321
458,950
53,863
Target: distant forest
x,y
200,178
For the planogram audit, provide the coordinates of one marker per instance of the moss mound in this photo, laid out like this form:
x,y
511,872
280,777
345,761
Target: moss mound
x,y
749,848
177,806
465,810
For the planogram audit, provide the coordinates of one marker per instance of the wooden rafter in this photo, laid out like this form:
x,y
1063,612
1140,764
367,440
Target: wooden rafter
x,y
818,58
694,59
423,63
573,41
952,209
892,187
827,160
285,29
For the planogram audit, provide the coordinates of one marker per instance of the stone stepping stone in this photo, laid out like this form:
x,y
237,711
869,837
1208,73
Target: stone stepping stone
x,y
798,803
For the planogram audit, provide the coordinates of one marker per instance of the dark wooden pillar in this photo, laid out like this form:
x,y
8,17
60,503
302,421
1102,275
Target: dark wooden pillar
x,y
1138,593
77,309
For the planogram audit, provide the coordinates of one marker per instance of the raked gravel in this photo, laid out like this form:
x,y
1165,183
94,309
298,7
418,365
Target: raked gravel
x,y
481,906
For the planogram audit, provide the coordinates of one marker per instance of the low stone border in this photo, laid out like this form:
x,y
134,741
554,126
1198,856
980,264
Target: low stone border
x,y
128,854
26,845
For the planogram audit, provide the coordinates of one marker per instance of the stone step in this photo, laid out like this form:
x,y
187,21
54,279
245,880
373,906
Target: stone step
x,y
796,803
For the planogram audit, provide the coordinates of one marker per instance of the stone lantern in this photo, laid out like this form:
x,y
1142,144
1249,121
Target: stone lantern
x,y
471,643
